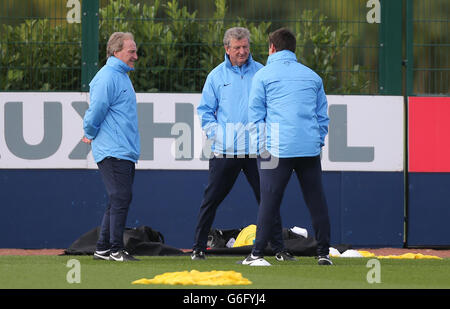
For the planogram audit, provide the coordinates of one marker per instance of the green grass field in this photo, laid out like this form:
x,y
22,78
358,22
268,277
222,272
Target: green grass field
x,y
50,272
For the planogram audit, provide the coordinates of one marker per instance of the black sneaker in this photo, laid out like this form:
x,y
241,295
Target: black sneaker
x,y
122,256
198,255
254,261
324,260
102,255
285,256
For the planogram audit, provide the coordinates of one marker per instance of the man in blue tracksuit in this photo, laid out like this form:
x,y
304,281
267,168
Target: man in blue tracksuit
x,y
288,110
223,115
111,127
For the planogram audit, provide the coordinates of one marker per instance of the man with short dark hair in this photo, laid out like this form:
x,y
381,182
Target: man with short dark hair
x,y
111,127
288,100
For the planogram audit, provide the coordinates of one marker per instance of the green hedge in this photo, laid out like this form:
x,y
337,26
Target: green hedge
x,y
176,49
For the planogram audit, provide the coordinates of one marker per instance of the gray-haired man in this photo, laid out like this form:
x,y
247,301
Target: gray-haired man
x,y
111,127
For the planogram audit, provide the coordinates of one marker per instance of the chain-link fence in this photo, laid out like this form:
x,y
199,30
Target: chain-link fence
x,y
39,48
355,45
428,45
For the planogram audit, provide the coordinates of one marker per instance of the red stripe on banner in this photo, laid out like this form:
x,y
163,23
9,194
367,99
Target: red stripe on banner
x,y
429,134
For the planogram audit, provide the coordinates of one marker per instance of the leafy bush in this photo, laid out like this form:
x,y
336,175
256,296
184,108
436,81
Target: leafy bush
x,y
176,49
36,56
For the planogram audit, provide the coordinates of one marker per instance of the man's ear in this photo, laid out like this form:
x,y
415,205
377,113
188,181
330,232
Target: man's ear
x,y
272,49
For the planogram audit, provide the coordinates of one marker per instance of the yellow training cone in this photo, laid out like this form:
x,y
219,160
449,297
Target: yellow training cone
x,y
195,277
411,256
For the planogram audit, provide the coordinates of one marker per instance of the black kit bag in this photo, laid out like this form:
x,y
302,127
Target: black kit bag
x,y
141,240
218,238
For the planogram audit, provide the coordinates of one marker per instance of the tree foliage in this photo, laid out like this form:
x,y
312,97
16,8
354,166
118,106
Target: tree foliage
x,y
176,49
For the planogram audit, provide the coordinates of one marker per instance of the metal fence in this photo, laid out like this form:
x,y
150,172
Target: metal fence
x,y
428,47
356,46
39,49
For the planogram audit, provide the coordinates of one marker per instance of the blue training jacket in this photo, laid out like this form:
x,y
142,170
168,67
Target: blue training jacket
x,y
224,106
288,102
111,120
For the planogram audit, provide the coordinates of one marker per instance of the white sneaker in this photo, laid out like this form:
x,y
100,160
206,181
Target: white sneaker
x,y
121,256
255,261
102,255
324,260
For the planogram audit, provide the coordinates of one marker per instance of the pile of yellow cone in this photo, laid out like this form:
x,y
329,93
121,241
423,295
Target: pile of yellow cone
x,y
402,256
195,277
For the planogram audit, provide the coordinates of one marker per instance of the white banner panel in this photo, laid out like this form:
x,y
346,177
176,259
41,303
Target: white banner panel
x,y
366,133
44,130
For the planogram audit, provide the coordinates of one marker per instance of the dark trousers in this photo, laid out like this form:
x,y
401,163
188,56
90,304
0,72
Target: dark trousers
x,y
223,172
273,183
118,177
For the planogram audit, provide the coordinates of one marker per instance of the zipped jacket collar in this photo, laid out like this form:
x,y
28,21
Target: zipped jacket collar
x,y
118,65
282,55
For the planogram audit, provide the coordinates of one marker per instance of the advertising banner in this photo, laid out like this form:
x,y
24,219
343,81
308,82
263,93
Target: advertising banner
x,y
43,130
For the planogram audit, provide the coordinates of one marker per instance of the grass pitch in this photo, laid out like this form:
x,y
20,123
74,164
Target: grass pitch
x,y
53,272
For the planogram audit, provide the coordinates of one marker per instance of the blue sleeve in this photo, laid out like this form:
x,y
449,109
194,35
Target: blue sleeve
x,y
322,114
257,110
257,101
99,98
207,108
